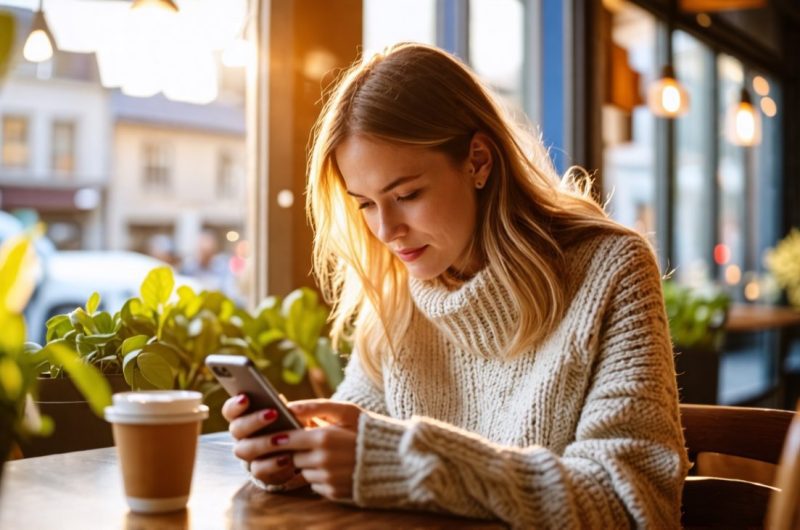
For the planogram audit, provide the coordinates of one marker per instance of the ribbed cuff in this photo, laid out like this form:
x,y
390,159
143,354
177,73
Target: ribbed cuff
x,y
379,478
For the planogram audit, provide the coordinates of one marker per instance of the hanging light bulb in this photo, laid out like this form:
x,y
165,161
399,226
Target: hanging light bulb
x,y
744,122
38,46
666,97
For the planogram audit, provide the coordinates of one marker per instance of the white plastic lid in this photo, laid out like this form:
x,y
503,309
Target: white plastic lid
x,y
157,406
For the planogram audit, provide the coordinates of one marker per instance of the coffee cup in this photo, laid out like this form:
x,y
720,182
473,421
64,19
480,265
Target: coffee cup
x,y
156,436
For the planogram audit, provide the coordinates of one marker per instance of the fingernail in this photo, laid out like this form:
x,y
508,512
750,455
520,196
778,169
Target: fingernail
x,y
280,439
269,414
242,399
283,461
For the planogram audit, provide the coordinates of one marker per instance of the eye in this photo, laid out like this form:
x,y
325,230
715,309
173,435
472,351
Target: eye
x,y
363,205
411,196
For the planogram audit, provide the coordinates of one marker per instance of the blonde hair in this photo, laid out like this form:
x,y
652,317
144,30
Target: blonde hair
x,y
414,94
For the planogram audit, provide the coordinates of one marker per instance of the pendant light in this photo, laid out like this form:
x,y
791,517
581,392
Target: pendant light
x,y
39,44
744,122
667,97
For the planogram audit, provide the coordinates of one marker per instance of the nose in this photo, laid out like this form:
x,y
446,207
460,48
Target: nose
x,y
390,226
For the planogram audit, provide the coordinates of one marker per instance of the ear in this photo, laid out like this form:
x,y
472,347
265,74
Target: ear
x,y
479,161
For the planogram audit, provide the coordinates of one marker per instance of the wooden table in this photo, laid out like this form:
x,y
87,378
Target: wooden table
x,y
83,490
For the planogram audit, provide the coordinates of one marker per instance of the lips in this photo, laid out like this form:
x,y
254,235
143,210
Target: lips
x,y
411,254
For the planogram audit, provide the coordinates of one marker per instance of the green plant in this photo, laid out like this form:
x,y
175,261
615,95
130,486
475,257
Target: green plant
x,y
784,263
160,339
696,318
20,363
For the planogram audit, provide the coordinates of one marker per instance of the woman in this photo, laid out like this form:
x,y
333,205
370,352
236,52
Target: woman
x,y
511,352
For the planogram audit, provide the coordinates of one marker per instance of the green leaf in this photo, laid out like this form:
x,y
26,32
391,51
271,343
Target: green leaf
x,y
157,287
11,379
12,334
103,322
129,366
172,356
185,295
136,342
93,303
269,336
87,379
330,362
18,271
294,366
156,370
80,317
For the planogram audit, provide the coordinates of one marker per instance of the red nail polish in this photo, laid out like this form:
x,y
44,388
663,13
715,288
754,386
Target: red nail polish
x,y
269,414
283,461
280,439
242,399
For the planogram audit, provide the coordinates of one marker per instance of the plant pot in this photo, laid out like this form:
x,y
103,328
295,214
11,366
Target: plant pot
x,y
76,427
697,374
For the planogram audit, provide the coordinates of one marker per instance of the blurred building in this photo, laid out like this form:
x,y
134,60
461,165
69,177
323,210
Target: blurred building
x,y
55,137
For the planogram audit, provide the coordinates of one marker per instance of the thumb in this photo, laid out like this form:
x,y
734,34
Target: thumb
x,y
340,413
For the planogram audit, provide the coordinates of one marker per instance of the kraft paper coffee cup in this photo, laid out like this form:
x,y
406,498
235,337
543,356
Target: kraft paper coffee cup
x,y
156,436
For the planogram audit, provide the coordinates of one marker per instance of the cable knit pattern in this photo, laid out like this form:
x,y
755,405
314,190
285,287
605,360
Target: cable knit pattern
x,y
582,432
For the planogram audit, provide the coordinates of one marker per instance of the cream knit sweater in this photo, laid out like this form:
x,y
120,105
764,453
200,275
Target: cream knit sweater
x,y
583,431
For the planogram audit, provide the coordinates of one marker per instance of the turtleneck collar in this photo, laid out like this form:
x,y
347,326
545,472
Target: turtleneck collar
x,y
479,316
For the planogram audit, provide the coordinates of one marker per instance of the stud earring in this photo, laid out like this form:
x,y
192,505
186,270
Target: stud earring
x,y
479,185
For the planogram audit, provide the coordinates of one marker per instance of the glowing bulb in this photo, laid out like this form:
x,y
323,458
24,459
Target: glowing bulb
x,y
285,198
232,236
671,99
752,290
745,123
733,274
760,85
768,106
38,47
666,97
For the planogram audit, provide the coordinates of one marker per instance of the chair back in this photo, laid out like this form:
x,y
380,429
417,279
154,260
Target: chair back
x,y
752,433
784,505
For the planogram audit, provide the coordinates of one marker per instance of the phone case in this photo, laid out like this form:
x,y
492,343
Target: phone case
x,y
238,375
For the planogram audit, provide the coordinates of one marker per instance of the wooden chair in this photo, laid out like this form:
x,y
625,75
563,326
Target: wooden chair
x,y
751,433
784,505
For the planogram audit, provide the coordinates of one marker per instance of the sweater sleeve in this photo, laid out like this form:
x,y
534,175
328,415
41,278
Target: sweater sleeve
x,y
624,468
358,388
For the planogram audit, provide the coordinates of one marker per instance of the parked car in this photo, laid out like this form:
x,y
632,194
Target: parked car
x,y
70,277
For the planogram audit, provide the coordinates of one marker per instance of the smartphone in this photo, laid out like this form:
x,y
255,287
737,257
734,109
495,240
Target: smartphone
x,y
238,375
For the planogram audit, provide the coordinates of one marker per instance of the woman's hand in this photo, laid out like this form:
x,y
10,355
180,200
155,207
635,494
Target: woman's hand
x,y
325,454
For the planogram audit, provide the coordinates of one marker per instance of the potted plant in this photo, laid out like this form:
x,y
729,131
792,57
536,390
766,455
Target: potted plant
x,y
160,339
95,336
784,263
20,363
697,327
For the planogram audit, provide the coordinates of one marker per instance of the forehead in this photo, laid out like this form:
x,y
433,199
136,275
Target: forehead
x,y
366,162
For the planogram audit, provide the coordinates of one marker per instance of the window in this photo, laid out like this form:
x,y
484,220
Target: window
x,y
63,147
226,176
15,142
157,174
387,23
496,46
629,155
695,132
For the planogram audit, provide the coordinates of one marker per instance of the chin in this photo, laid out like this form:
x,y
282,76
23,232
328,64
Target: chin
x,y
424,273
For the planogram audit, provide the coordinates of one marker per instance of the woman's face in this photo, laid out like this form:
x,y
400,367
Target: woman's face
x,y
415,200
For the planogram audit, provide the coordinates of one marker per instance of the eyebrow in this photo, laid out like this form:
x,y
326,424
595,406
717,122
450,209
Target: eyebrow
x,y
396,182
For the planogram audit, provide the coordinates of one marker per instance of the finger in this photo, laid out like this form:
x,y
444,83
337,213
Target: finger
x,y
341,413
323,489
276,470
324,459
234,407
337,477
246,425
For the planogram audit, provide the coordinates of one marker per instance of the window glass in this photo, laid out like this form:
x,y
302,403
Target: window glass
x,y
113,175
386,23
63,159
15,141
629,131
693,227
496,45
730,175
